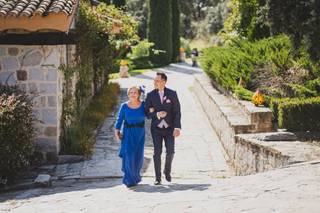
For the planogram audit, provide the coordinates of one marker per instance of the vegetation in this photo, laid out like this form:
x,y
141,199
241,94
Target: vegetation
x,y
271,65
17,132
80,134
98,48
131,73
300,114
160,30
175,30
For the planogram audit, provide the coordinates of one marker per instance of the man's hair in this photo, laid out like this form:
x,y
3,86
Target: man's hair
x,y
163,76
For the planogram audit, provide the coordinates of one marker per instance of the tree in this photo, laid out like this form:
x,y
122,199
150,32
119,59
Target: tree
x,y
299,19
139,9
175,30
193,12
119,3
160,30
215,18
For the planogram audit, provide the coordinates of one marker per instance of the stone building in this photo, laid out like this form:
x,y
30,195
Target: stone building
x,y
36,38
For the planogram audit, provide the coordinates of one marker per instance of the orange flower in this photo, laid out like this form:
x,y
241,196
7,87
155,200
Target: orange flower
x,y
123,62
258,98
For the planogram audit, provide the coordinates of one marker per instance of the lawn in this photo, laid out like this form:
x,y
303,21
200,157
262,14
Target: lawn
x,y
131,72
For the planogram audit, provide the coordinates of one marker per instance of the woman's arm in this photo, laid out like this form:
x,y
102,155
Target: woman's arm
x,y
119,122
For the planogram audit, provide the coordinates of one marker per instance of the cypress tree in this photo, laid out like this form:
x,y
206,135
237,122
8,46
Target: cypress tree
x,y
119,3
175,30
160,30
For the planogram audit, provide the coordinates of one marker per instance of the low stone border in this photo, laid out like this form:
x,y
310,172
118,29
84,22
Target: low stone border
x,y
238,124
254,155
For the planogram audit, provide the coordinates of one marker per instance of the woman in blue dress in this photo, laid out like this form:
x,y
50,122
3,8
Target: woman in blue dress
x,y
131,119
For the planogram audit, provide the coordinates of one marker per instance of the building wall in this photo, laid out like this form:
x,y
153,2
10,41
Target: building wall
x,y
36,70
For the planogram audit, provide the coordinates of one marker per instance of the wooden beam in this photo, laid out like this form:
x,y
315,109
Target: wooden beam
x,y
38,38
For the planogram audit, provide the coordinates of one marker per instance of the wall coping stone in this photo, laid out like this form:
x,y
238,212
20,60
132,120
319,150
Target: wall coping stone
x,y
296,151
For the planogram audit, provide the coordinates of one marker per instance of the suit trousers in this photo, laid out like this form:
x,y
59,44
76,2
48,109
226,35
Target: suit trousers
x,y
158,136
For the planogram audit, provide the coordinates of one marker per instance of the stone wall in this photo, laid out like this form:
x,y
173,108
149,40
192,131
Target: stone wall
x,y
230,117
36,70
251,157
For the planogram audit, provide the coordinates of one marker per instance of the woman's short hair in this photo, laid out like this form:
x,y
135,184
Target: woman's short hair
x,y
134,87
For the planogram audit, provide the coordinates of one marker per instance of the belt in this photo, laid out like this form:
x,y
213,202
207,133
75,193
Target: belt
x,y
127,125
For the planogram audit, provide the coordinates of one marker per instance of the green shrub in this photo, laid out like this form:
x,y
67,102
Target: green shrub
x,y
142,63
79,137
274,104
243,94
241,57
141,50
314,85
17,133
300,115
296,90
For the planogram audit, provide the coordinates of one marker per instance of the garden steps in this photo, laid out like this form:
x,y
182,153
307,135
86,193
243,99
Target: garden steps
x,y
230,118
244,129
230,110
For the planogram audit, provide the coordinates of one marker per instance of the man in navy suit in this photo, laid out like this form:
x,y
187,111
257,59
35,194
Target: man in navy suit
x,y
163,107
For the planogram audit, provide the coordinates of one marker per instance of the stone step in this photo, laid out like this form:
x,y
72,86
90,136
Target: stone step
x,y
231,111
254,119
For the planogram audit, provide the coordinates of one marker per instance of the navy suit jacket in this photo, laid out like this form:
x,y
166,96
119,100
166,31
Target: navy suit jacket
x,y
170,104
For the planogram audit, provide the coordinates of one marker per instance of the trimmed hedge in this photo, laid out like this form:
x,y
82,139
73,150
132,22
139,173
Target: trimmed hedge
x,y
17,133
240,58
300,114
242,93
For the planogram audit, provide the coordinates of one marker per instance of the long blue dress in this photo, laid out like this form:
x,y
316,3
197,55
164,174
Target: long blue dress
x,y
132,143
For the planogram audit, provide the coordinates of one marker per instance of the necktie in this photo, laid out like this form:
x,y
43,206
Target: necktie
x,y
161,96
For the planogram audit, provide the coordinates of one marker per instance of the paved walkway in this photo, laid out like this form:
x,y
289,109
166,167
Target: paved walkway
x,y
198,153
201,178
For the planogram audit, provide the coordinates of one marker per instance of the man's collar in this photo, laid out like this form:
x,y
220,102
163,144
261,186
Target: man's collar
x,y
161,90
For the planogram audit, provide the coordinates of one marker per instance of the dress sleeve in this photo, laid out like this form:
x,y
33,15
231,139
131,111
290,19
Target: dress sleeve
x,y
120,117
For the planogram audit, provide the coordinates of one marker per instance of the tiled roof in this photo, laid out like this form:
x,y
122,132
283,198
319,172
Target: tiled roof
x,y
29,8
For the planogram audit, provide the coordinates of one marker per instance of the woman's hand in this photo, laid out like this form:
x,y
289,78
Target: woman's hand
x,y
118,134
151,109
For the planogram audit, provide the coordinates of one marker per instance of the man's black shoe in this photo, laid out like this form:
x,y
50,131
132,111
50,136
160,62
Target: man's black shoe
x,y
157,182
168,177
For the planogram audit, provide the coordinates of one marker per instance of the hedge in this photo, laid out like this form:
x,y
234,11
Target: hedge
x,y
17,132
300,114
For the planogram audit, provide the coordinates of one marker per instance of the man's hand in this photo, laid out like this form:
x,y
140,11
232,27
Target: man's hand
x,y
176,133
151,109
162,114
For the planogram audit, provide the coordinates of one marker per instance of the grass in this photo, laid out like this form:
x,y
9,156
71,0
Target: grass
x,y
79,137
131,73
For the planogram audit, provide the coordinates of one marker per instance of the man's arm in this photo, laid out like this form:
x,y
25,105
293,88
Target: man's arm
x,y
176,112
148,105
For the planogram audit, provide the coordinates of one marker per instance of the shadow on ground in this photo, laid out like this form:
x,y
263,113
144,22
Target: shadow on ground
x,y
147,188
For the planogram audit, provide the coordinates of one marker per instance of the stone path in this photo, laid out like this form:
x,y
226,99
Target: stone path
x,y
197,150
202,181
